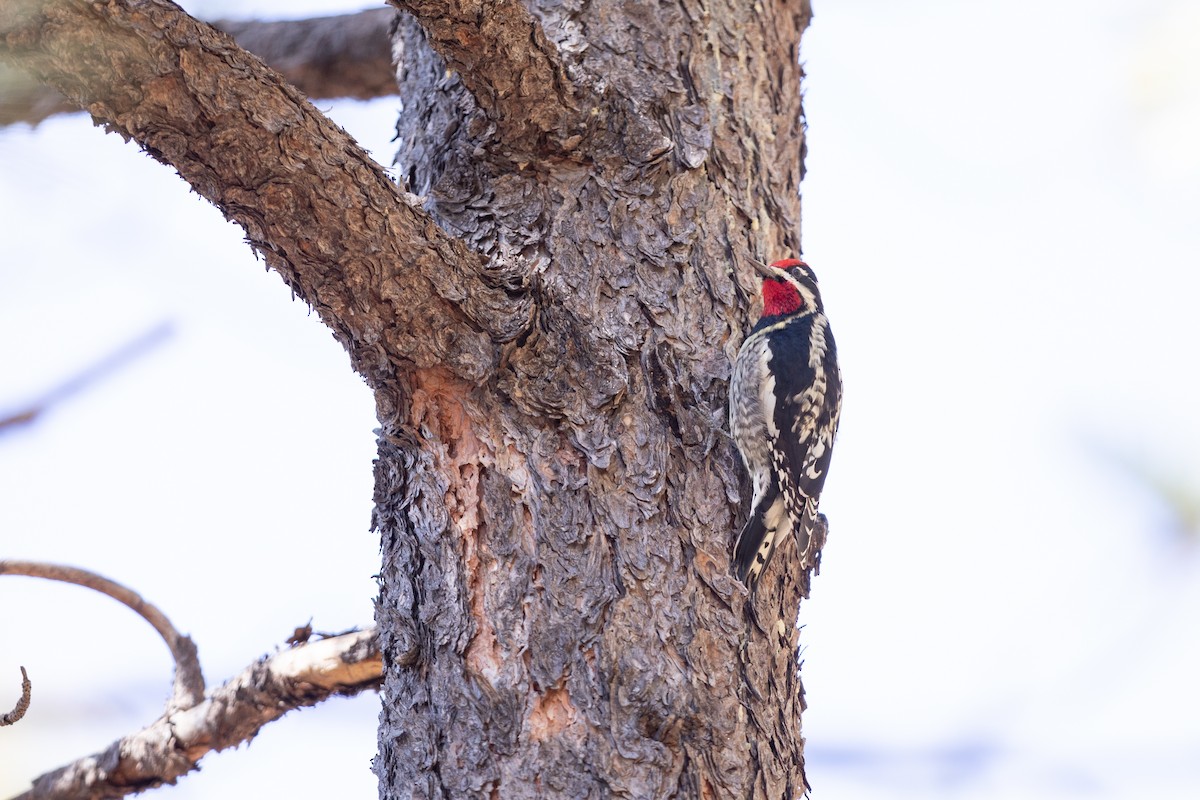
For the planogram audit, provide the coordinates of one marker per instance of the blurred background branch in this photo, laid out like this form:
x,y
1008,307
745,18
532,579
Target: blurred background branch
x,y
103,367
347,55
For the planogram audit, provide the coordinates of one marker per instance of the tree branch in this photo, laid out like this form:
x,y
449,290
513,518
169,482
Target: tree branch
x,y
232,714
393,286
22,704
324,57
106,365
503,57
189,680
348,55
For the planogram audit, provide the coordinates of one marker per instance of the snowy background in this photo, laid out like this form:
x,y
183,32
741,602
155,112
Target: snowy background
x,y
1003,205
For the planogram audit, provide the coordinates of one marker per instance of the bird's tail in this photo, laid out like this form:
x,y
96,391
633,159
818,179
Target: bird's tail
x,y
756,543
770,524
746,549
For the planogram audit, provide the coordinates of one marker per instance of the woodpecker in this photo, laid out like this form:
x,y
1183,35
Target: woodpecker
x,y
784,403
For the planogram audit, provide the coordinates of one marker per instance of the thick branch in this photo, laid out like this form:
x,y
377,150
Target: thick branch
x,y
324,57
189,681
392,285
173,745
503,57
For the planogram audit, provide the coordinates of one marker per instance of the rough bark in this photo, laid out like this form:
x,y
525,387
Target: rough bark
x,y
555,490
516,76
324,57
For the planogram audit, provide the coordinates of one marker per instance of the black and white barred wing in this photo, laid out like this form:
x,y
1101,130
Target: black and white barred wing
x,y
805,422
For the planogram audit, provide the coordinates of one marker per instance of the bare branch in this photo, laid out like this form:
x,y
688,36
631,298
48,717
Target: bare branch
x,y
106,365
503,57
349,55
232,714
394,287
325,57
193,724
189,681
22,705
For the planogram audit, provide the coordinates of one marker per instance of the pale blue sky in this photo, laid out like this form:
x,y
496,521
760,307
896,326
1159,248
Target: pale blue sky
x,y
1003,205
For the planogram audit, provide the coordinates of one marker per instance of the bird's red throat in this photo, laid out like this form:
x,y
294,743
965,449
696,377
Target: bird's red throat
x,y
779,298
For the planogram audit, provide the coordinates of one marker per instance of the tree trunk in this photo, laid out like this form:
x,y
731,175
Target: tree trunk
x,y
556,534
548,328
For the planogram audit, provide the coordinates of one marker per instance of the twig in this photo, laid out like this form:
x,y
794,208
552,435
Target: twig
x,y
103,367
189,681
22,705
232,714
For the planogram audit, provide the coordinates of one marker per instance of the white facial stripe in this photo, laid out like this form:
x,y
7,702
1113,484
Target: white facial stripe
x,y
806,295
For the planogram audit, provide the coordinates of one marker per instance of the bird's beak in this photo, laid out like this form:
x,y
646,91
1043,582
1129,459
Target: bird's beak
x,y
763,269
